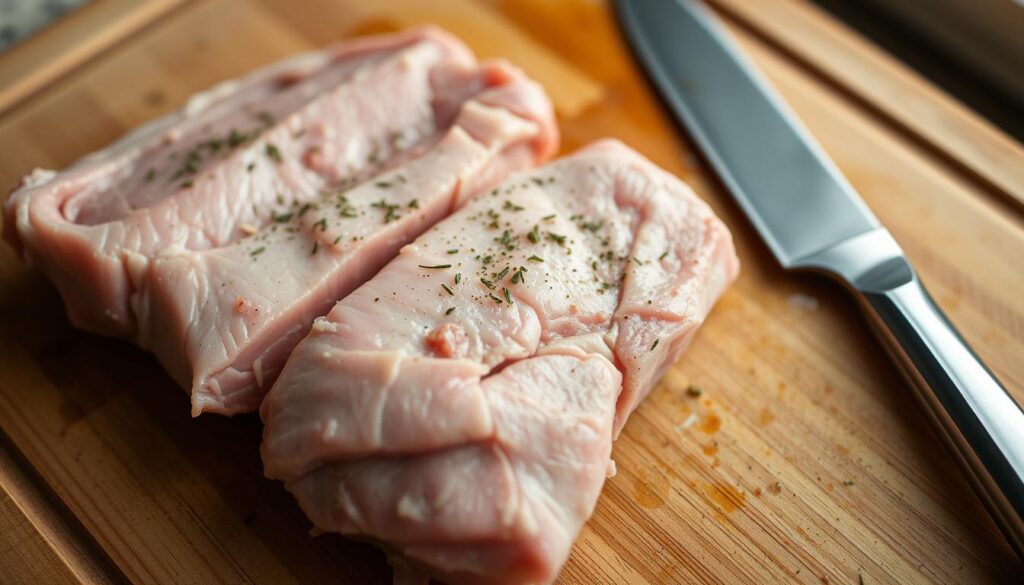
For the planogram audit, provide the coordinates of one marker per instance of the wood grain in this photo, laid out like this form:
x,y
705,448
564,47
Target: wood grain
x,y
72,40
804,459
36,546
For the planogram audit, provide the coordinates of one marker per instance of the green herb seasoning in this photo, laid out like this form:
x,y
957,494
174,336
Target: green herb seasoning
x,y
663,255
535,259
458,277
191,163
414,204
556,238
150,175
273,152
447,290
508,296
506,240
436,266
534,235
655,344
236,138
258,251
450,311
390,210
519,275
453,251
487,283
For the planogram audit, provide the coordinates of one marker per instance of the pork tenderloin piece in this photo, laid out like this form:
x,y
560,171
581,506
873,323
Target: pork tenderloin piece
x,y
214,236
460,406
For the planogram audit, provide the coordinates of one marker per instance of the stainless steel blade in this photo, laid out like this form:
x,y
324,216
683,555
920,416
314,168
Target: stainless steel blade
x,y
792,192
811,217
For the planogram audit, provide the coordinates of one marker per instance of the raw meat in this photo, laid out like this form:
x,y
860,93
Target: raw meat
x,y
214,236
460,406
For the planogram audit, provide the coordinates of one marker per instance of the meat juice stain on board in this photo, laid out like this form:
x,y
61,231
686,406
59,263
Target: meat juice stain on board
x,y
711,449
650,488
674,396
710,423
726,497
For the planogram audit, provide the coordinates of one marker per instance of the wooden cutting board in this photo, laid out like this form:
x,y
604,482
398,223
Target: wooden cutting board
x,y
804,459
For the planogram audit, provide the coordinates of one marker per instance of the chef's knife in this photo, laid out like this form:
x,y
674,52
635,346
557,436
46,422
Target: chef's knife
x,y
811,218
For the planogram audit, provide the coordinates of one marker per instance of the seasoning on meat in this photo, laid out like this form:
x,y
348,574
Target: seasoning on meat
x,y
476,444
268,189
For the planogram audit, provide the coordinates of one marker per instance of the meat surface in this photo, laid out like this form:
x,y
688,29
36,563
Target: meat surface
x,y
460,406
214,236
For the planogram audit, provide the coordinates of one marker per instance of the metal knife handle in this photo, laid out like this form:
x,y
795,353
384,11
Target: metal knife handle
x,y
981,423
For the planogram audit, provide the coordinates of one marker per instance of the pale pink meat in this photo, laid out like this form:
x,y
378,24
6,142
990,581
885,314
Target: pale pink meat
x,y
214,236
460,406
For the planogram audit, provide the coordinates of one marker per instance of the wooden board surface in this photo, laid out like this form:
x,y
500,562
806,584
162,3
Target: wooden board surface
x,y
804,460
72,40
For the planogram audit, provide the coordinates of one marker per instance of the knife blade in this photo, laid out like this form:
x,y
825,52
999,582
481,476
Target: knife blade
x,y
810,217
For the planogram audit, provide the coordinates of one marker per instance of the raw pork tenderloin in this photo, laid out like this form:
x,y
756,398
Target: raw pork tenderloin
x,y
215,235
460,406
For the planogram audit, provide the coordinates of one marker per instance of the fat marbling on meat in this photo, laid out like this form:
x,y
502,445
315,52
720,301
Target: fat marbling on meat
x,y
460,406
215,235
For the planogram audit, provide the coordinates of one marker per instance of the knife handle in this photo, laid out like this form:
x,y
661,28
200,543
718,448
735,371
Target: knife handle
x,y
972,411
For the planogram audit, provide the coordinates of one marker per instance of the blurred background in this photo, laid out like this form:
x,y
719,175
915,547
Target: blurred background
x,y
974,49
20,18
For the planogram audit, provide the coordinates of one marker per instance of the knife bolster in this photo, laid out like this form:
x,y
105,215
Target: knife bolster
x,y
868,262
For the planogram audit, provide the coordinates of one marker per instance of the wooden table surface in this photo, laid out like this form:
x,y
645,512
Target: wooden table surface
x,y
805,459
